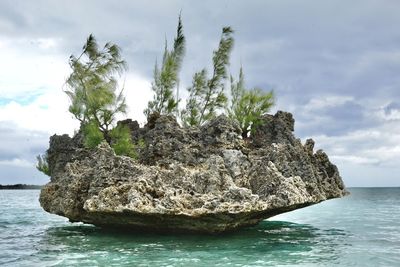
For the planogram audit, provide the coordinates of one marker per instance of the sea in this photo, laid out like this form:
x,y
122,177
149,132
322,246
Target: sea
x,y
362,229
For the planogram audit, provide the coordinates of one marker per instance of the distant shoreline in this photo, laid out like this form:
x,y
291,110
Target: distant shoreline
x,y
20,186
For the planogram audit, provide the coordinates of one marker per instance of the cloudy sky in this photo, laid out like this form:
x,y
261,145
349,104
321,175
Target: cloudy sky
x,y
334,64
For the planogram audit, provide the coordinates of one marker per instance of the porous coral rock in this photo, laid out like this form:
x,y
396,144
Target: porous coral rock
x,y
205,179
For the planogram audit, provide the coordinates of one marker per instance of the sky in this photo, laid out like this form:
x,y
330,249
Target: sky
x,y
334,64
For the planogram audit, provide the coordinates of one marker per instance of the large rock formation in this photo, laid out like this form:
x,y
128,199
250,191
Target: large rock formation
x,y
205,179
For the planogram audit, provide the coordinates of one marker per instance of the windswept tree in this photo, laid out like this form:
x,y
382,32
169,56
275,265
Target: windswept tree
x,y
42,164
94,92
247,106
166,77
207,94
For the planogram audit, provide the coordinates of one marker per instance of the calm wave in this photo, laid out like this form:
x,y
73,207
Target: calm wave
x,y
360,230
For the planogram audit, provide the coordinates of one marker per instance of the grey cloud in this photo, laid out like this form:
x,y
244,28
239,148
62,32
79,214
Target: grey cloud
x,y
320,40
301,49
10,19
22,144
393,106
334,120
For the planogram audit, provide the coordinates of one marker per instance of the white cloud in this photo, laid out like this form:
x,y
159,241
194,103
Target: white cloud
x,y
26,68
47,113
138,93
323,102
46,43
31,85
355,159
16,163
366,157
388,115
375,146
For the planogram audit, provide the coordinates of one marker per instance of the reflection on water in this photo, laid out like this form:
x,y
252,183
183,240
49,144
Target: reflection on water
x,y
271,242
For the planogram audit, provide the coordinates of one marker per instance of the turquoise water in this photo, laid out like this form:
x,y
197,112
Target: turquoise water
x,y
360,230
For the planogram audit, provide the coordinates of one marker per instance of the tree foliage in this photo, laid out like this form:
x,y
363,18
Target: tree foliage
x,y
207,95
166,77
93,136
247,106
93,88
122,142
42,164
96,99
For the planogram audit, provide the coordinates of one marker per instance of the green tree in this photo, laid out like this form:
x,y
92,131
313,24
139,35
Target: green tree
x,y
42,164
92,134
93,89
122,142
247,106
207,95
166,77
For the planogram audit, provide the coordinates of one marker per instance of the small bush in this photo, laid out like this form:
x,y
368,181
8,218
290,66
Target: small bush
x,y
92,135
248,106
122,142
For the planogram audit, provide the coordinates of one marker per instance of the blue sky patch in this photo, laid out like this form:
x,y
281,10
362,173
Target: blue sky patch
x,y
22,100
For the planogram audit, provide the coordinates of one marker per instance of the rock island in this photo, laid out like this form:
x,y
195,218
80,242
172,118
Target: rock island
x,y
205,179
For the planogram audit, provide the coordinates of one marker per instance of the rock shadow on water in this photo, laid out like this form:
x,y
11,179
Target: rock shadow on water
x,y
272,242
